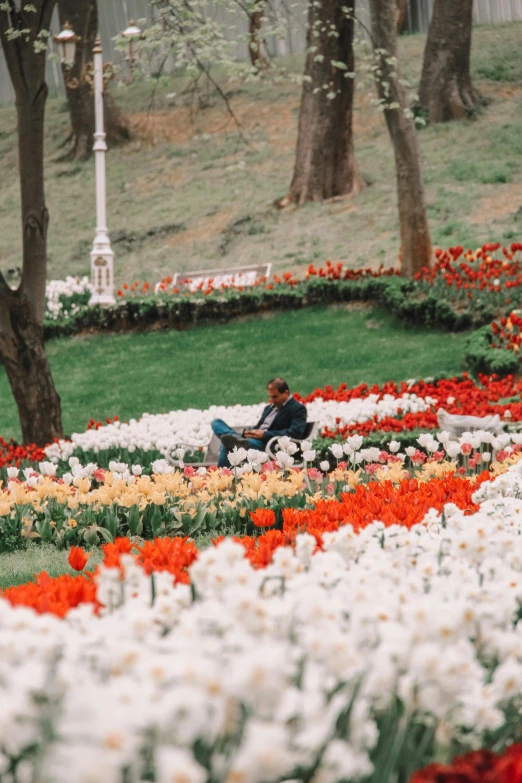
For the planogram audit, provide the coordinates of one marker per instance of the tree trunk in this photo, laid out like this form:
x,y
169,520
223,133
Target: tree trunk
x,y
325,163
416,251
255,23
446,92
23,353
82,15
402,14
22,312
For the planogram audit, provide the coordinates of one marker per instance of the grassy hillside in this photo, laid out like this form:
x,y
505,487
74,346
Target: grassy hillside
x,y
129,374
188,193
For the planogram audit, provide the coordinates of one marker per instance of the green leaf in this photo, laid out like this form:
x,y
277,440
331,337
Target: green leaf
x,y
106,535
156,522
195,522
134,521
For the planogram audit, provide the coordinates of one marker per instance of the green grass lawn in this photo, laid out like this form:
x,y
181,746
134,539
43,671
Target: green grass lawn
x,y
127,375
17,568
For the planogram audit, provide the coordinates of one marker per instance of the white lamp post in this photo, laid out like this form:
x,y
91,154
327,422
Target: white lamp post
x,y
102,257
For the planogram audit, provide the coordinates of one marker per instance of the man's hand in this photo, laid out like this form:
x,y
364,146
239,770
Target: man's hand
x,y
256,434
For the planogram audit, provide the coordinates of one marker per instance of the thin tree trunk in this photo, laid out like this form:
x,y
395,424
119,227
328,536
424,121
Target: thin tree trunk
x,y
255,24
446,91
416,251
82,15
22,312
325,163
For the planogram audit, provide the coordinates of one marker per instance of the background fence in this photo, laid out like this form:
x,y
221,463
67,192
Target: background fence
x,y
115,14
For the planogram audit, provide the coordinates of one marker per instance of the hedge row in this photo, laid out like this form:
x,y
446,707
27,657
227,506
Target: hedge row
x,y
481,357
399,296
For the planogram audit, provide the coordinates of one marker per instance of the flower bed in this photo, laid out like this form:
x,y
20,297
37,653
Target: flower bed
x,y
486,280
345,656
152,436
497,345
477,766
460,395
89,504
12,453
406,505
66,298
398,413
461,291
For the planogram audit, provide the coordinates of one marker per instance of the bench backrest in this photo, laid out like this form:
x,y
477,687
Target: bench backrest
x,y
310,430
239,276
457,425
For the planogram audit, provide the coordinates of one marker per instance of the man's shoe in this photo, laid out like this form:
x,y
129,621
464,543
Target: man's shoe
x,y
231,441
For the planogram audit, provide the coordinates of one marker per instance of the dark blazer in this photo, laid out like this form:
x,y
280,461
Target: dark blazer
x,y
290,420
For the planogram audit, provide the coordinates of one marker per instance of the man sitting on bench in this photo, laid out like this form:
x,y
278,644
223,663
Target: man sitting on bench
x,y
283,416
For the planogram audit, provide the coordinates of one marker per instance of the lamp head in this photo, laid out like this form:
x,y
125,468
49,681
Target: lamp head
x,y
67,41
132,35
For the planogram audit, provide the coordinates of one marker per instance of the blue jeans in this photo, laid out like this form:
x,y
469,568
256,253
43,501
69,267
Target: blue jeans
x,y
219,428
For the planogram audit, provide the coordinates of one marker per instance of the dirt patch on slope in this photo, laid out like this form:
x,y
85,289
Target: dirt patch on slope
x,y
206,228
503,202
276,120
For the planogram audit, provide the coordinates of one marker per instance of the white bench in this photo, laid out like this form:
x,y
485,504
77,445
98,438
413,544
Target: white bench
x,y
245,276
457,425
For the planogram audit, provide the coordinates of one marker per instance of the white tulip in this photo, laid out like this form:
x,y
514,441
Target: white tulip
x,y
47,469
452,450
284,460
337,450
237,456
355,441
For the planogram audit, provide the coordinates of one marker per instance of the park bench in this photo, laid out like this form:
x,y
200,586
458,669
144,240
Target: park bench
x,y
457,425
211,454
245,276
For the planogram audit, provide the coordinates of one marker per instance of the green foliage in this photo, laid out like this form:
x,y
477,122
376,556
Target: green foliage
x,y
501,63
400,296
480,357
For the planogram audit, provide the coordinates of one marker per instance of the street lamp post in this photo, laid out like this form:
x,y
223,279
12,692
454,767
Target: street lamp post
x,y
102,256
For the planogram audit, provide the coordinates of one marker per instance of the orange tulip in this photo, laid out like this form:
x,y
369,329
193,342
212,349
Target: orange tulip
x,y
262,517
77,558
